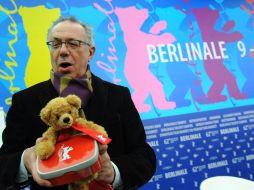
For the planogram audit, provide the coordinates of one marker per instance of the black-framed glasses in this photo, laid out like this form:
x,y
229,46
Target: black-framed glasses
x,y
70,44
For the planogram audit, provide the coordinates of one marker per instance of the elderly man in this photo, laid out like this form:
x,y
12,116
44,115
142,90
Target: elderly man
x,y
127,162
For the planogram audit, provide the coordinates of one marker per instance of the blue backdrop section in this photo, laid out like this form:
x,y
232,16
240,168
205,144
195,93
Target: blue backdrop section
x,y
209,131
193,147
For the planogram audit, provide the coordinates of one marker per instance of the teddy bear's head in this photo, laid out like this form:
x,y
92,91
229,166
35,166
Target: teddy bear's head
x,y
61,112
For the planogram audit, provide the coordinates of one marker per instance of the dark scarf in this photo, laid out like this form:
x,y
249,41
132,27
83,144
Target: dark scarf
x,y
64,85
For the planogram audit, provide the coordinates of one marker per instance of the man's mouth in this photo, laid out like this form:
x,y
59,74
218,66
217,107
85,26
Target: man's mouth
x,y
65,64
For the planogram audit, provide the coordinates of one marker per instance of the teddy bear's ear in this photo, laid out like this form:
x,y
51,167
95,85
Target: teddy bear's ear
x,y
45,115
74,101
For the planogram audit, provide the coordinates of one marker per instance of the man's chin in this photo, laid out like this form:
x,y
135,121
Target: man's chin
x,y
66,74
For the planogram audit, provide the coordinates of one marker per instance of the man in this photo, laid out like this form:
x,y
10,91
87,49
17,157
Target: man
x,y
128,161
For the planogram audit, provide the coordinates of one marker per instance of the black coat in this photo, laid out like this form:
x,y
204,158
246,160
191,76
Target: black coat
x,y
110,106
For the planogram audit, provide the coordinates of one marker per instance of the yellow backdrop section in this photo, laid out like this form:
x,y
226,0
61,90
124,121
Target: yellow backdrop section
x,y
36,22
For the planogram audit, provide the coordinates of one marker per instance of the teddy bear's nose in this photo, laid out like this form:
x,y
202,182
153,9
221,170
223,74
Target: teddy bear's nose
x,y
66,120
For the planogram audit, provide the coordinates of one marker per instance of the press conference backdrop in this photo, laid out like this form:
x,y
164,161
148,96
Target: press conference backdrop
x,y
188,64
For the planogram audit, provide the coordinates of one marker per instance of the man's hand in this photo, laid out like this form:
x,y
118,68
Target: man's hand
x,y
29,160
107,172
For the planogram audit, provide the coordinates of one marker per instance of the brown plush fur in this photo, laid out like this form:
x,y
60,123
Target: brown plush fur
x,y
61,113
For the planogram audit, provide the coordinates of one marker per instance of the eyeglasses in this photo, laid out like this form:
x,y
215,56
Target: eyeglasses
x,y
70,44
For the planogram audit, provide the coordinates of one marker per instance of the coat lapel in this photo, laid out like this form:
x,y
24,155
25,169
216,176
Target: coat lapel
x,y
47,93
96,107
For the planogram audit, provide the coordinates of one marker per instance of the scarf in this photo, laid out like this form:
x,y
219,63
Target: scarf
x,y
65,85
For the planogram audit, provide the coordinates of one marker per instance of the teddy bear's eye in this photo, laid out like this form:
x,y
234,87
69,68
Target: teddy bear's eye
x,y
57,116
69,112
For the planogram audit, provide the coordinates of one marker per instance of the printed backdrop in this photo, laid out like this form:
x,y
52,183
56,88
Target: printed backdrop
x,y
188,64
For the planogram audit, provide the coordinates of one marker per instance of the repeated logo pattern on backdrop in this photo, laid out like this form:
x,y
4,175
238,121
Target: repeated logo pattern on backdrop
x,y
188,64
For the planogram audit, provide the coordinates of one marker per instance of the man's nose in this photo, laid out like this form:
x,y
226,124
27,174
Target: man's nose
x,y
64,51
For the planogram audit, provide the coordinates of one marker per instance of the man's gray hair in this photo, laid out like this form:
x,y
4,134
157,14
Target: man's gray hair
x,y
88,30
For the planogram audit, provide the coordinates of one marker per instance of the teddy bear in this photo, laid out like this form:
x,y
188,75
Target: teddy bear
x,y
60,114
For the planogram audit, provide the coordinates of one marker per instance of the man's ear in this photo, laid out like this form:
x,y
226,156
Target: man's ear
x,y
91,53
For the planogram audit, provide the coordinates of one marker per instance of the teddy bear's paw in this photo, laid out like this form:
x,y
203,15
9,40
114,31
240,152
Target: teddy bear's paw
x,y
81,121
44,150
98,128
92,125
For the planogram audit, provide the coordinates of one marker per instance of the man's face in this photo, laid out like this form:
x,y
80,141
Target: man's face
x,y
68,60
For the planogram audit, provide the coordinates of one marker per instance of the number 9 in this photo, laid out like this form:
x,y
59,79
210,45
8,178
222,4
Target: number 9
x,y
241,47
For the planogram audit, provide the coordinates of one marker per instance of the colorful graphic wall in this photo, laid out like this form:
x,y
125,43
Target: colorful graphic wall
x,y
189,65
